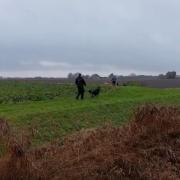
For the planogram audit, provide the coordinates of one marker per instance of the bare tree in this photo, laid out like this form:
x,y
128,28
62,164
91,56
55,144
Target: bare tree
x,y
95,76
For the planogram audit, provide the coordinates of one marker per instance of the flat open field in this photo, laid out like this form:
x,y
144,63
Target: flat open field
x,y
45,133
50,111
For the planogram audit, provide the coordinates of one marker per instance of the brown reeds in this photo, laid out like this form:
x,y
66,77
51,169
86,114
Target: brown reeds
x,y
148,148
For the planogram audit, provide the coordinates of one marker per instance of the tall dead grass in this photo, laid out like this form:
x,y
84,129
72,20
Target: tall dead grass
x,y
148,148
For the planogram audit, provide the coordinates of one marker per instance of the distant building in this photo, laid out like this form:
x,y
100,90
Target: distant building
x,y
171,75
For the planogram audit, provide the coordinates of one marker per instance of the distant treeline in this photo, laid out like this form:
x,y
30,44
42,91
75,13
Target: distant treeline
x,y
168,75
95,77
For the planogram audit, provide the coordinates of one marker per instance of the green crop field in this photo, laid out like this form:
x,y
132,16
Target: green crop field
x,y
49,111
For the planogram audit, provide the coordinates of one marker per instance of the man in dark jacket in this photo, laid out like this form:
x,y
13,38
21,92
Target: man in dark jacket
x,y
114,80
80,83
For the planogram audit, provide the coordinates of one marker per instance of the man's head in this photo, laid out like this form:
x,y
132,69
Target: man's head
x,y
79,74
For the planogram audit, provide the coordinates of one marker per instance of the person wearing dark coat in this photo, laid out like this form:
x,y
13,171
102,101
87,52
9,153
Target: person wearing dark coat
x,y
114,80
80,83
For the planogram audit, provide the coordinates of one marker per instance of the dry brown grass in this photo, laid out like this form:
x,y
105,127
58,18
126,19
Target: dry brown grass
x,y
148,148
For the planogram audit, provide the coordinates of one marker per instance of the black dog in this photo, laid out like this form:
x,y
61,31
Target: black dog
x,y
95,92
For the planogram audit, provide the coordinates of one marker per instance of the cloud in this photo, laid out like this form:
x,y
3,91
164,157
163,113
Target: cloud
x,y
52,64
102,36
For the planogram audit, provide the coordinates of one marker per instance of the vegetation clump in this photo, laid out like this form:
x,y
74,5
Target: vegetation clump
x,y
146,148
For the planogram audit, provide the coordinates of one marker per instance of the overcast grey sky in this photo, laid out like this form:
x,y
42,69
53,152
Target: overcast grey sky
x,y
54,37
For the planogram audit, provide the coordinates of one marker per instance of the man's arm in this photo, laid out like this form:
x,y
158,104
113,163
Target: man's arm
x,y
84,82
76,81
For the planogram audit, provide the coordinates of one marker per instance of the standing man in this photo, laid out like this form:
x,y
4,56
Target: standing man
x,y
114,80
80,83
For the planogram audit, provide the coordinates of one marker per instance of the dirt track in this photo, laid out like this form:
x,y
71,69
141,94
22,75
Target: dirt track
x,y
162,83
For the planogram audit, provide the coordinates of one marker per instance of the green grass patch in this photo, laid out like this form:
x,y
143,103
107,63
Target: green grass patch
x,y
51,119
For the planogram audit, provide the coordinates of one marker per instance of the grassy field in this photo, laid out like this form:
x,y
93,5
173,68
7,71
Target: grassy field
x,y
54,112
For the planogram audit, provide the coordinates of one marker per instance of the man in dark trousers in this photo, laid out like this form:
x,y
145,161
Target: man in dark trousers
x,y
114,80
80,83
